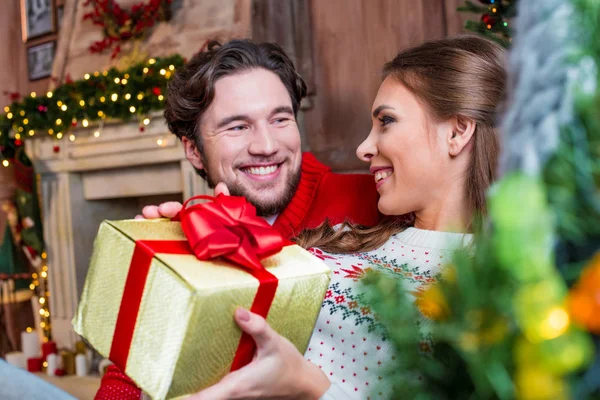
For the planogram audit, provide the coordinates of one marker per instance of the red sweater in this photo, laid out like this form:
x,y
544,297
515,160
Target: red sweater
x,y
321,195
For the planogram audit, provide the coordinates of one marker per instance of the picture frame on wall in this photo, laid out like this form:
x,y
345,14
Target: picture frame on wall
x,y
39,60
37,18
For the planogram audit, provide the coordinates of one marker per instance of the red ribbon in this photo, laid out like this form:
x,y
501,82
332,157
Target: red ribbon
x,y
228,228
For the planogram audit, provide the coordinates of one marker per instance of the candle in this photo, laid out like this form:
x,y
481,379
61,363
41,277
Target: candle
x,y
30,343
52,360
80,347
81,365
16,359
48,348
68,362
104,364
34,364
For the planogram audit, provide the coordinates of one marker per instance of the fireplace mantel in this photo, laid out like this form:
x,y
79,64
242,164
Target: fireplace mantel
x,y
97,176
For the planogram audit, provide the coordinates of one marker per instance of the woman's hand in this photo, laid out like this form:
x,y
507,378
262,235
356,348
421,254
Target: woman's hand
x,y
278,370
171,208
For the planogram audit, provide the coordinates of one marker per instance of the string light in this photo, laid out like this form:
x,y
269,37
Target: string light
x,y
159,142
132,109
25,121
161,97
9,115
87,76
85,123
58,121
102,99
31,132
114,97
146,121
105,73
59,103
20,129
82,103
22,113
140,96
172,67
17,136
124,81
97,134
59,135
49,95
151,61
63,107
96,73
72,137
117,80
6,109
5,163
100,114
126,76
50,131
33,94
127,96
145,70
163,71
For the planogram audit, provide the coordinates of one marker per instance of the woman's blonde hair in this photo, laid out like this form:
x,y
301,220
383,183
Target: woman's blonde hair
x,y
459,76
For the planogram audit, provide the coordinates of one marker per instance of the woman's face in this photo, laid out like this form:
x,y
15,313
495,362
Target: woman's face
x,y
408,152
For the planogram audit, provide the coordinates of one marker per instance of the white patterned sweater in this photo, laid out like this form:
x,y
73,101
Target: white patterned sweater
x,y
341,345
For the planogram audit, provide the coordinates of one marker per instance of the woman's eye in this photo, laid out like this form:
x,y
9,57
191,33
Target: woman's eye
x,y
385,120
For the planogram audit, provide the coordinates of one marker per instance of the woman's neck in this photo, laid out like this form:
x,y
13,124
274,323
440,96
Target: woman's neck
x,y
448,212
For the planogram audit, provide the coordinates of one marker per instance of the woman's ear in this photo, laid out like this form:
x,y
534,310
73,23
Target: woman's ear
x,y
463,129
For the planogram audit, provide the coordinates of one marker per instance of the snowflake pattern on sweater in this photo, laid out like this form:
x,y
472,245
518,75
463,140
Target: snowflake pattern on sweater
x,y
345,343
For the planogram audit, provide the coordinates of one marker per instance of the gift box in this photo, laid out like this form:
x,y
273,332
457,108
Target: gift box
x,y
160,295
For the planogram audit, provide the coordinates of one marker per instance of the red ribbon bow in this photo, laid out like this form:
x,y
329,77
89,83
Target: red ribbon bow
x,y
228,227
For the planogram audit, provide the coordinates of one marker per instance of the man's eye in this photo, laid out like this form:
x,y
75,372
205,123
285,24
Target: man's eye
x,y
237,128
281,120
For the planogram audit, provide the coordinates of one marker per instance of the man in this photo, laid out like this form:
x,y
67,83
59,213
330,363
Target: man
x,y
234,108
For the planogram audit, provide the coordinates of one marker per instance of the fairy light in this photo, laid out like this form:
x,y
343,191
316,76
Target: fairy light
x,y
44,274
59,103
124,81
49,95
114,97
151,61
25,121
132,109
172,67
145,70
33,94
127,96
159,142
82,103
42,300
85,123
50,131
17,136
126,76
97,134
6,109
96,73
86,76
22,113
63,107
29,329
59,135
140,96
5,163
58,121
20,129
163,71
101,114
161,97
102,99
31,132
105,73
72,137
146,121
117,80
9,115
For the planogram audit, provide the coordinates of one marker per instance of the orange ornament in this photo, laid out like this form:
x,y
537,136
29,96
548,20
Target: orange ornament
x,y
584,298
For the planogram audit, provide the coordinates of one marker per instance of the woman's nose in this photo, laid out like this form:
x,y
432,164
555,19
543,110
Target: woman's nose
x,y
367,149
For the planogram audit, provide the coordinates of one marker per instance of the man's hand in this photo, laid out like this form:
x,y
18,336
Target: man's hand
x,y
278,370
171,208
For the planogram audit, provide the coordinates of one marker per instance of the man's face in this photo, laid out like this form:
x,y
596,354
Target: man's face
x,y
251,140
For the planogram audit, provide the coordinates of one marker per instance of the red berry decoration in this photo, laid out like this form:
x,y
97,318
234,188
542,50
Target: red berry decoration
x,y
18,142
489,20
56,148
142,129
156,91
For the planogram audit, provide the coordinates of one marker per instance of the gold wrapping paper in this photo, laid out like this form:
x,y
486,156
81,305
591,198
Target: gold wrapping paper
x,y
185,336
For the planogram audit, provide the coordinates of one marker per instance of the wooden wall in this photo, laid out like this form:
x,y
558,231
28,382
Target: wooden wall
x,y
13,54
352,39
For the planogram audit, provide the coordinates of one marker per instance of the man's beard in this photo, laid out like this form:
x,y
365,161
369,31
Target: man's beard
x,y
263,208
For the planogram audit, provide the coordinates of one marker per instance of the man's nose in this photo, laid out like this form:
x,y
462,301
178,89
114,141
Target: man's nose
x,y
263,141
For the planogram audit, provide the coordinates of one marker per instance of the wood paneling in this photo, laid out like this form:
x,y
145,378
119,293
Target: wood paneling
x,y
352,39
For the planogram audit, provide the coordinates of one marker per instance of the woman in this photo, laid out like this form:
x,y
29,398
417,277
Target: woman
x,y
432,149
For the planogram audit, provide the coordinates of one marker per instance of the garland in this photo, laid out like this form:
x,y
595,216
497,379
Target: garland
x,y
112,94
121,25
494,21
